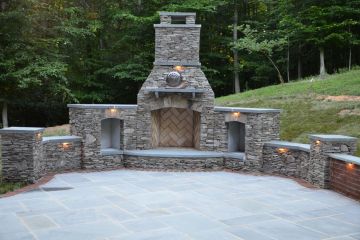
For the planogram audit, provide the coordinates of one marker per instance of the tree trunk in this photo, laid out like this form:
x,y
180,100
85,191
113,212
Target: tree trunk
x,y
5,115
281,79
349,58
288,61
322,62
299,64
235,51
139,5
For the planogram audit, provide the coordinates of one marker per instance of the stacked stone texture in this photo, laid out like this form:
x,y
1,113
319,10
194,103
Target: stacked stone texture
x,y
259,128
319,169
21,156
233,164
57,158
202,103
294,163
177,44
164,163
220,132
86,123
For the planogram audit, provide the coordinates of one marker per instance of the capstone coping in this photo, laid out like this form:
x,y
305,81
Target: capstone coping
x,y
103,106
179,14
235,155
176,153
346,158
61,139
111,151
177,63
30,130
246,110
167,25
290,145
332,138
175,90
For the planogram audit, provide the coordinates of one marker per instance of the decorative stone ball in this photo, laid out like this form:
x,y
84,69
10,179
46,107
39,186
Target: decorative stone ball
x,y
173,79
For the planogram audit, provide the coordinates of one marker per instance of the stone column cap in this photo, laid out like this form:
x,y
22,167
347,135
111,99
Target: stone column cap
x,y
21,130
331,138
169,25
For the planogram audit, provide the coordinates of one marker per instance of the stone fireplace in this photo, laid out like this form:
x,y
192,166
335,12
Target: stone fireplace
x,y
179,115
175,124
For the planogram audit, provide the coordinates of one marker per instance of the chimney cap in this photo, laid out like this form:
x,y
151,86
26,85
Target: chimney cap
x,y
179,14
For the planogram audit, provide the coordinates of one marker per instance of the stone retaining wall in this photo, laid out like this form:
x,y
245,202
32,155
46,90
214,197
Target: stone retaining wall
x,y
292,162
321,147
61,154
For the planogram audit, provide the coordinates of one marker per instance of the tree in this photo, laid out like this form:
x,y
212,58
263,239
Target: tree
x,y
252,44
235,51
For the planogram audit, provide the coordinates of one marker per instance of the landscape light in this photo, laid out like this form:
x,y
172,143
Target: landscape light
x,y
317,142
236,114
350,166
282,150
38,136
65,145
179,68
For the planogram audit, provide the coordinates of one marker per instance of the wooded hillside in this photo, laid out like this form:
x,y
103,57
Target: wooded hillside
x,y
53,52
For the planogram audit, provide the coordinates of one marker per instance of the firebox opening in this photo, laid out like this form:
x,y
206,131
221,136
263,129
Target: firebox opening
x,y
175,127
236,136
111,134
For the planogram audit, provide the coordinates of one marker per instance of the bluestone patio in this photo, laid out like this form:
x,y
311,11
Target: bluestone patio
x,y
129,204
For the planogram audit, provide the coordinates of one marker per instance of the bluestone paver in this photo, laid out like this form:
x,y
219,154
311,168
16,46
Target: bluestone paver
x,y
145,205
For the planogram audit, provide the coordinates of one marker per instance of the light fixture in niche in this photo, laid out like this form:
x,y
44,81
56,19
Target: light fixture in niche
x,y
282,150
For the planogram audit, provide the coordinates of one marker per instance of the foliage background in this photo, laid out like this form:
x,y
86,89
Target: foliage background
x,y
53,52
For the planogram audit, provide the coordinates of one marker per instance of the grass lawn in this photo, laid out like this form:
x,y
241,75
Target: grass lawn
x,y
309,106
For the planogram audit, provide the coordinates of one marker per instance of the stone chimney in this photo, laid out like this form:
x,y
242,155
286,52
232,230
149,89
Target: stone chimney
x,y
190,104
177,40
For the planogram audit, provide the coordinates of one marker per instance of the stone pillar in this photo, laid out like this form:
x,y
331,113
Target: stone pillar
x,y
321,147
259,128
21,154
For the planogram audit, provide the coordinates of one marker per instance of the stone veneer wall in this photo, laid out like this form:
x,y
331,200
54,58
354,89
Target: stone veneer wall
x,y
61,153
345,175
21,154
321,147
260,126
293,162
259,129
85,121
174,163
176,44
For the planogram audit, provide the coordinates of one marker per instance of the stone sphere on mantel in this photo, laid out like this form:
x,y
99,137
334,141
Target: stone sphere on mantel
x,y
173,79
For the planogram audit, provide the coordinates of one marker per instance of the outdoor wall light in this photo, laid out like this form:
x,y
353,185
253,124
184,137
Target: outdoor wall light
x,y
38,136
236,114
179,68
350,166
317,142
113,110
65,145
282,150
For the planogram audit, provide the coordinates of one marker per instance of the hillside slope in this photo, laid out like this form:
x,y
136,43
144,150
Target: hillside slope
x,y
330,105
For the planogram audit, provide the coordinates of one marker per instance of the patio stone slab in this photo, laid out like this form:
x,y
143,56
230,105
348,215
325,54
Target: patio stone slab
x,y
145,205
